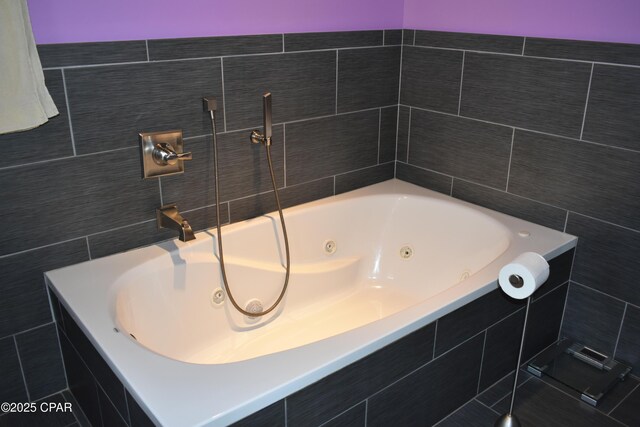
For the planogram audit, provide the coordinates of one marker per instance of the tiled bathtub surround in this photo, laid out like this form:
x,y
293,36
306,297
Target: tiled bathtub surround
x,y
422,376
542,129
546,130
72,189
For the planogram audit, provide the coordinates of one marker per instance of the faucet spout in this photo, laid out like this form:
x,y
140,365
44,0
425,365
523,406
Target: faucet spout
x,y
168,216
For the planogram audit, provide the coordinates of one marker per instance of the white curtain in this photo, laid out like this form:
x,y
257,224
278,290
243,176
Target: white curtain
x,y
25,102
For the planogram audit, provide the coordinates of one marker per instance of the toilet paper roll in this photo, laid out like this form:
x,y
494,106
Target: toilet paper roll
x,y
522,276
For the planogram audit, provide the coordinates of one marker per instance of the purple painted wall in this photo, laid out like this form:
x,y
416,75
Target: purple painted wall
x,y
600,20
62,21
65,21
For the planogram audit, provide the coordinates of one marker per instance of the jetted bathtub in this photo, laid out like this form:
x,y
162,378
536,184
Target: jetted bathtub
x,y
367,267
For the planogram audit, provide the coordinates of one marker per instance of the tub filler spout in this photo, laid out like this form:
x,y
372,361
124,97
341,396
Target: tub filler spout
x,y
168,216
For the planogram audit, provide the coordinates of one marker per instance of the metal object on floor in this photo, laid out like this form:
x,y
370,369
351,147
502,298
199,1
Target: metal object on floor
x,y
509,419
589,372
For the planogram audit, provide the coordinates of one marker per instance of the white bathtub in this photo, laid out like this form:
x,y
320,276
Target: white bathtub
x,y
189,361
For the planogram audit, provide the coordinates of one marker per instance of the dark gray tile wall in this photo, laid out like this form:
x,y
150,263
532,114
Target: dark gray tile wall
x,y
72,188
530,93
599,331
334,40
431,78
203,47
392,37
573,164
459,147
368,78
41,361
303,86
616,53
73,54
467,41
331,145
614,101
459,78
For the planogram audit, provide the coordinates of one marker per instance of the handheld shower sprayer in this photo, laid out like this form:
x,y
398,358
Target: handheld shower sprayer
x,y
210,104
264,138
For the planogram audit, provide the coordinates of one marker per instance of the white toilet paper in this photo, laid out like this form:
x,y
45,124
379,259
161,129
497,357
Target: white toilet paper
x,y
522,276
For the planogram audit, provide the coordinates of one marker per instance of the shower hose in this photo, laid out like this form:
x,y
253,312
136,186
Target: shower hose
x,y
220,250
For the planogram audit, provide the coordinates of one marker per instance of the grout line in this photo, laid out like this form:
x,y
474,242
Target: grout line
x,y
623,399
397,133
283,43
524,41
495,189
336,81
355,170
608,222
366,412
600,292
28,330
93,376
106,64
39,247
461,81
409,133
64,364
24,378
379,126
66,99
383,37
224,98
39,162
576,398
564,309
333,115
624,313
126,402
586,102
484,346
435,338
324,423
451,187
88,248
334,185
284,153
427,363
146,45
566,221
414,37
488,407
522,129
519,55
511,388
228,214
513,137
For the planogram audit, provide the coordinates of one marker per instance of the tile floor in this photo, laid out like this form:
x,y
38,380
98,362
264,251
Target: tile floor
x,y
543,402
539,403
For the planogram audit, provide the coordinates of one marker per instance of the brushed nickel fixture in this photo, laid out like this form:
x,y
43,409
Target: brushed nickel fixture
x,y
162,153
264,138
168,216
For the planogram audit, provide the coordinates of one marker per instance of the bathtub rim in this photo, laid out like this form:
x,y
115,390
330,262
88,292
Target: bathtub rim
x,y
135,365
